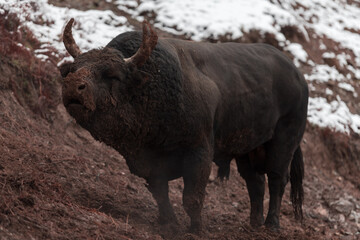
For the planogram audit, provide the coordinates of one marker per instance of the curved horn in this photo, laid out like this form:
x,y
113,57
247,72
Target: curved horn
x,y
69,41
149,41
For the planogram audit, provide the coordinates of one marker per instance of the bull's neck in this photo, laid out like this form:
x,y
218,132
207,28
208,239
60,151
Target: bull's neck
x,y
119,129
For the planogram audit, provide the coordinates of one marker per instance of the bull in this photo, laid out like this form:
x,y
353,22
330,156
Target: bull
x,y
171,106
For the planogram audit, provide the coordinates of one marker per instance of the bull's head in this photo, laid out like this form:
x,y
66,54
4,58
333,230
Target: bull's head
x,y
99,78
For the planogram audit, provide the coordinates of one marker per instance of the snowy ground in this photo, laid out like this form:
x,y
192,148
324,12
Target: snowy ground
x,y
199,20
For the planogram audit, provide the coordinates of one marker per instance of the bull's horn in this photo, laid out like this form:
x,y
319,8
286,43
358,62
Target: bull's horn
x,y
69,41
149,41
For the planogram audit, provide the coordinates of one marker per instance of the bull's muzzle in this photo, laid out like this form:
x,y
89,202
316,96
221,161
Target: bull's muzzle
x,y
77,90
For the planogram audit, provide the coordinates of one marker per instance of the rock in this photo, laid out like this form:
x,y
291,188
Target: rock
x,y
343,206
338,220
320,212
212,177
354,216
341,218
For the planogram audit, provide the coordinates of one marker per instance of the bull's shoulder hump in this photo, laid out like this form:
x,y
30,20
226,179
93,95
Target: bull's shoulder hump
x,y
126,42
124,38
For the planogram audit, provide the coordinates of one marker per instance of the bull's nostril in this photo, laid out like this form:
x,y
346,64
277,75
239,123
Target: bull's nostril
x,y
81,87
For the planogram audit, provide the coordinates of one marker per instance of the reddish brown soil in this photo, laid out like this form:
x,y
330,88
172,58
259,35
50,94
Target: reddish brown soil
x,y
57,182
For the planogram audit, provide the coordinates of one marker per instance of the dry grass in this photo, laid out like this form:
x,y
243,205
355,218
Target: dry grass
x,y
35,83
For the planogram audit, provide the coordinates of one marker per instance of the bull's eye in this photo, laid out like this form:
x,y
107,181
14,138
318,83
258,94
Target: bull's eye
x,y
111,73
113,78
81,87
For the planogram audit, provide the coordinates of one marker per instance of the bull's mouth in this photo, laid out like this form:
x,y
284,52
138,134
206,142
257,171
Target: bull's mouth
x,y
78,104
75,104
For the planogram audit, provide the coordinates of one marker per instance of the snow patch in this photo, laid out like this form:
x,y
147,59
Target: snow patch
x,y
342,58
346,86
328,55
356,71
335,115
297,51
328,91
322,46
324,73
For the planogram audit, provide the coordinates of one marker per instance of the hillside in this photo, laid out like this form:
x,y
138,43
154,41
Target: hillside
x,y
57,182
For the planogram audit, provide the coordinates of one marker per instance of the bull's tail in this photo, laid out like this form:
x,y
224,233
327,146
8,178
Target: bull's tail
x,y
296,180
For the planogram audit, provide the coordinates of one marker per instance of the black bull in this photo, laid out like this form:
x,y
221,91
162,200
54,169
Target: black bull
x,y
184,104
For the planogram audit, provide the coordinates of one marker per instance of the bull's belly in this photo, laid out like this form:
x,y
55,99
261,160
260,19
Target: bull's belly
x,y
242,141
148,163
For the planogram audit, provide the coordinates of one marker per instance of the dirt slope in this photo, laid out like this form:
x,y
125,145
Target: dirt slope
x,y
57,182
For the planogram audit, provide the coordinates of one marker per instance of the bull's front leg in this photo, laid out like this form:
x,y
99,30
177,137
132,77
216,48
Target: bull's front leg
x,y
196,171
159,188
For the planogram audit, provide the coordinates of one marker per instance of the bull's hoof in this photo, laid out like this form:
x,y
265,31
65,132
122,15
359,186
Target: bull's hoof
x,y
273,227
163,220
256,223
195,229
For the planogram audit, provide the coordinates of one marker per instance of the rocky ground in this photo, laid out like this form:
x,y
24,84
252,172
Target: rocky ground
x,y
57,182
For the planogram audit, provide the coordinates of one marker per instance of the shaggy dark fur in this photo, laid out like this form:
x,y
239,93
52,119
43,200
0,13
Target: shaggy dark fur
x,y
192,103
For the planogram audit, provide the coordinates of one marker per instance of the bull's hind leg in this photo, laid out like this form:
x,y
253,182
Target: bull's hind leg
x,y
279,153
159,188
255,184
196,171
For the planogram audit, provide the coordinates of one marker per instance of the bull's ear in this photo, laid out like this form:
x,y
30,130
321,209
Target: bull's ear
x,y
65,69
138,77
